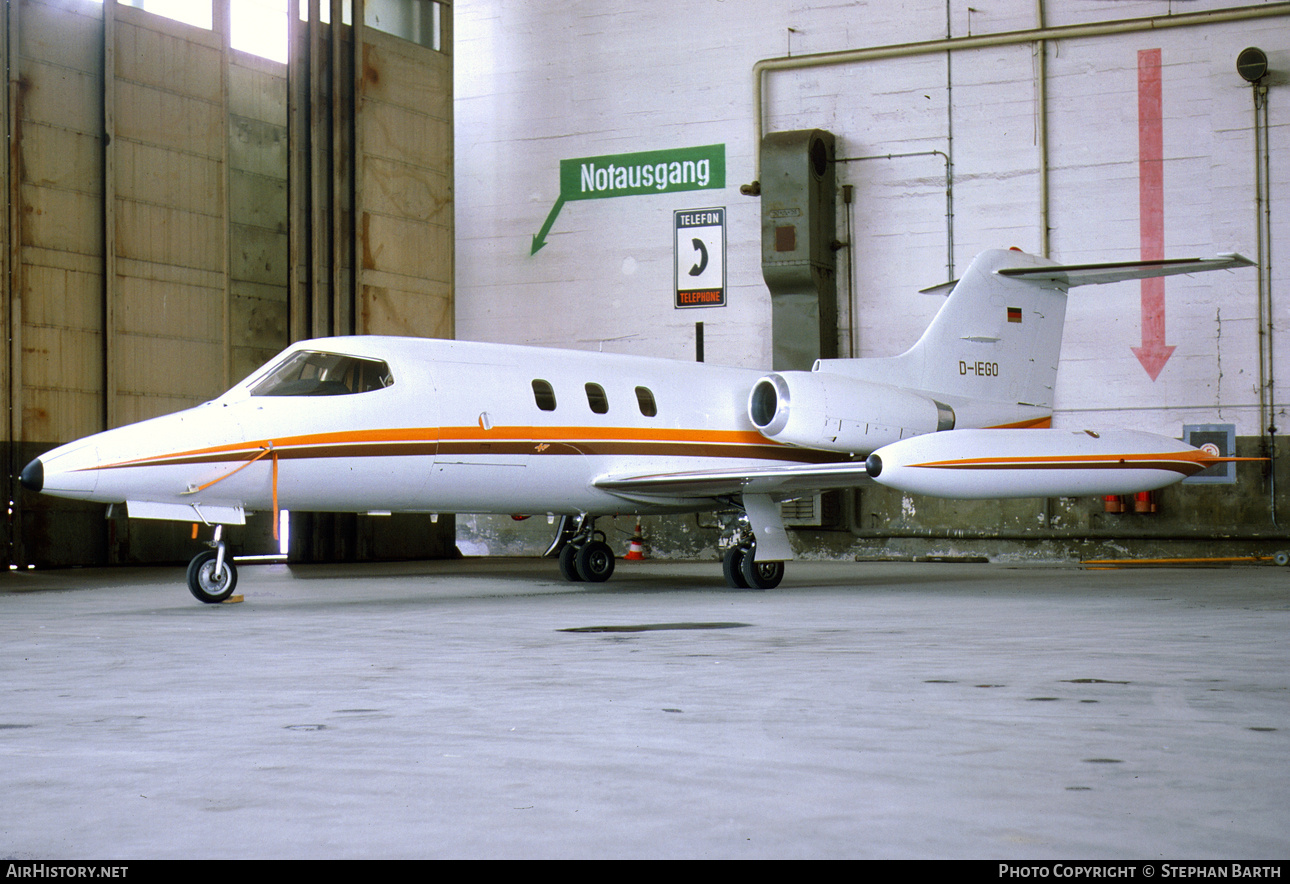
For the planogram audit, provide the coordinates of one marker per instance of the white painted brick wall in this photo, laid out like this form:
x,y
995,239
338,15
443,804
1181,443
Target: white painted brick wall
x,y
538,83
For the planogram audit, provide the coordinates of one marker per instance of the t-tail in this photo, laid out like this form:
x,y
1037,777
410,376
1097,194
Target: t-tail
x,y
988,359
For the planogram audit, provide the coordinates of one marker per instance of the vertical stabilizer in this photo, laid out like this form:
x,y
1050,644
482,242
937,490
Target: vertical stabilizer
x,y
997,338
991,352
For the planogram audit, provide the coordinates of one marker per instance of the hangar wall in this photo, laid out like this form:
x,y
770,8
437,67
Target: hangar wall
x,y
1024,124
149,236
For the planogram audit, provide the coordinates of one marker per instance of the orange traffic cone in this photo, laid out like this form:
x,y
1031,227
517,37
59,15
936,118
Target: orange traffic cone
x,y
636,550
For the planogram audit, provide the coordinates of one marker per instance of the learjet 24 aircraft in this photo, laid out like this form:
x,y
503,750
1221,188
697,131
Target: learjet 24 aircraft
x,y
392,424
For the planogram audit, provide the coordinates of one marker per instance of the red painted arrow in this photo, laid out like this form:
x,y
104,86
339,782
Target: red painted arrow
x,y
1154,352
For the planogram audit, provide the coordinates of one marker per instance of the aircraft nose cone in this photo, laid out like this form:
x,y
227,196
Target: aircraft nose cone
x,y
33,476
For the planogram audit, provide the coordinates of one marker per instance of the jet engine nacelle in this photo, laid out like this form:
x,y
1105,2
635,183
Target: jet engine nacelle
x,y
814,409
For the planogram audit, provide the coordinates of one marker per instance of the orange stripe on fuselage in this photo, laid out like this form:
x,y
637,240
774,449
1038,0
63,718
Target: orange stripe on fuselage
x,y
241,450
532,440
597,434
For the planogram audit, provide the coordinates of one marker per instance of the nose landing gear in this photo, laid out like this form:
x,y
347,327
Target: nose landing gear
x,y
212,576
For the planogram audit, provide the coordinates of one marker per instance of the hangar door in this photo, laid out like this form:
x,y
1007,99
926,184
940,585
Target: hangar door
x,y
166,229
372,211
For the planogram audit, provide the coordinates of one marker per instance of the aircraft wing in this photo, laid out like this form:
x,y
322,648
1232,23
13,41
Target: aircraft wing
x,y
782,482
968,464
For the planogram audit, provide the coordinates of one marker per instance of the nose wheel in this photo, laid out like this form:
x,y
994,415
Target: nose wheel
x,y
212,576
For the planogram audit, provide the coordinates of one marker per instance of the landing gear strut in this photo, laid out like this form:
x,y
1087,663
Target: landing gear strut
x,y
761,525
585,557
212,576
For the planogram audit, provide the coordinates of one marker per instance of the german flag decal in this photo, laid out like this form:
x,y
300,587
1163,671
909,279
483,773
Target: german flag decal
x,y
1014,314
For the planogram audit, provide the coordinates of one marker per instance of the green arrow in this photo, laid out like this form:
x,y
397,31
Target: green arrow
x,y
540,240
643,173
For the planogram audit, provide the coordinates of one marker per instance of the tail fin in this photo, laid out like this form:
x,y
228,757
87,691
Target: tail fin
x,y
991,352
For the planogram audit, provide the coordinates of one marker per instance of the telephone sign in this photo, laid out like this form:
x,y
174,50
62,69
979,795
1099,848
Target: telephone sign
x,y
700,257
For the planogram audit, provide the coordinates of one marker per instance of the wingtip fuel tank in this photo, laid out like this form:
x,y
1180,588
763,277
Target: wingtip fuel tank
x,y
1003,463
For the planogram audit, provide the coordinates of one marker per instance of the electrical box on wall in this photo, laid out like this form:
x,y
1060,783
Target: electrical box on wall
x,y
797,214
1221,440
798,244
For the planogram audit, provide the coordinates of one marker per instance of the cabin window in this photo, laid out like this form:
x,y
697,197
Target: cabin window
x,y
645,399
544,395
310,373
597,399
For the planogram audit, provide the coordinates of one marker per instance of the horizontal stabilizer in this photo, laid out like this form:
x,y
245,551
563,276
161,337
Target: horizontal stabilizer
x,y
943,288
1096,274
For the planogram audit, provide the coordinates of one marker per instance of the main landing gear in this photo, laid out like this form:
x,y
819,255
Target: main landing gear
x,y
743,571
212,576
759,530
585,556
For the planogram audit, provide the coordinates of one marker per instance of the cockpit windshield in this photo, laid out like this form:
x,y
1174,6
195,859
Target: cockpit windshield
x,y
310,373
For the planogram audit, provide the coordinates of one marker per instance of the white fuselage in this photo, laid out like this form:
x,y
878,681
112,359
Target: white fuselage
x,y
395,424
461,428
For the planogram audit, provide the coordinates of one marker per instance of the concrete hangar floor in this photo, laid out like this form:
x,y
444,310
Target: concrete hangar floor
x,y
487,708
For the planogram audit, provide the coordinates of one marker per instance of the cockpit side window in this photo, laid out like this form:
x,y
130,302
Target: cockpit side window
x,y
310,373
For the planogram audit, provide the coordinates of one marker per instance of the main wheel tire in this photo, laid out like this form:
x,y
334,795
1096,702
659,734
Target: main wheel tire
x,y
568,563
732,567
595,561
760,575
207,586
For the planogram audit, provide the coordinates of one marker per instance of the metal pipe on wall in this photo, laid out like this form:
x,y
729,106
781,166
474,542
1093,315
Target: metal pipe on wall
x,y
949,194
1041,126
1263,238
1005,38
949,140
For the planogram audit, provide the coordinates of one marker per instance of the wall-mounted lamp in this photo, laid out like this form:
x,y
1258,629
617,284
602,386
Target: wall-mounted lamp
x,y
1260,68
1252,64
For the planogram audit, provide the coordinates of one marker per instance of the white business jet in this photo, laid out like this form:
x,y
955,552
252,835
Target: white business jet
x,y
391,424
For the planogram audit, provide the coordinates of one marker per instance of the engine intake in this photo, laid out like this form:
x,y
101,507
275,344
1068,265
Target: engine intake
x,y
836,413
